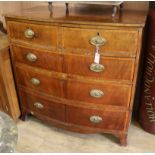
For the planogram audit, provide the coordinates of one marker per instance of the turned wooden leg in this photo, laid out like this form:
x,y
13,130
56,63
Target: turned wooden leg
x,y
67,8
23,115
50,7
121,6
123,139
114,11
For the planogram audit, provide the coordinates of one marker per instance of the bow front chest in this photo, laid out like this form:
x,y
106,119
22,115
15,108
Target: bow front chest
x,y
77,71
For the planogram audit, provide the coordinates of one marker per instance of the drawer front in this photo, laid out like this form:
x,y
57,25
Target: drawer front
x,y
108,120
37,104
97,93
116,40
34,34
36,58
111,68
38,80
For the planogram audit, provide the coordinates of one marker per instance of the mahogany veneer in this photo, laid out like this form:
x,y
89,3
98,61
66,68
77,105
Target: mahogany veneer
x,y
52,57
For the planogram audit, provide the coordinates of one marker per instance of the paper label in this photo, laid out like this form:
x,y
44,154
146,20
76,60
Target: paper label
x,y
97,58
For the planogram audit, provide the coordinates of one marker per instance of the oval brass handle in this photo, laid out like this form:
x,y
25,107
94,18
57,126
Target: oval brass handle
x,y
38,105
96,93
95,119
29,33
97,67
31,57
35,81
98,40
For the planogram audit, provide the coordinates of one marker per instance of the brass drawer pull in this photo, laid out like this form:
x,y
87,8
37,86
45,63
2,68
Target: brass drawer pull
x,y
29,33
95,119
97,67
38,105
96,93
31,57
35,81
98,40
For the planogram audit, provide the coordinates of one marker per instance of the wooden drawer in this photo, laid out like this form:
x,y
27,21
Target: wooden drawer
x,y
39,80
37,58
106,120
43,34
116,40
99,93
114,68
38,104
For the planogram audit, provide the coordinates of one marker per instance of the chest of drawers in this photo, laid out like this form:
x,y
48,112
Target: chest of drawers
x,y
53,61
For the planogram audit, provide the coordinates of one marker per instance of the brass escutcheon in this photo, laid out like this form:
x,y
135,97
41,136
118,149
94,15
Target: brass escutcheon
x,y
97,67
95,119
96,93
29,33
35,81
31,57
38,105
98,40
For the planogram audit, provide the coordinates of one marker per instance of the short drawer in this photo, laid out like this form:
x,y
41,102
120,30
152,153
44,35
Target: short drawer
x,y
105,120
36,104
37,58
116,40
39,80
33,33
99,93
108,69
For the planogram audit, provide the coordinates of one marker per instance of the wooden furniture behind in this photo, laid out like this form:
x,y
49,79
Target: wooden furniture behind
x,y
8,96
55,75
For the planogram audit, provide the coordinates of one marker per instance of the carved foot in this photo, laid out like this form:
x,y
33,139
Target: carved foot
x,y
23,115
123,139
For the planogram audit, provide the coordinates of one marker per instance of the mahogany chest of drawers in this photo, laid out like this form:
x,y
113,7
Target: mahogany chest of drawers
x,y
56,77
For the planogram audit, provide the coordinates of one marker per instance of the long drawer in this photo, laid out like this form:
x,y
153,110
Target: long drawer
x,y
37,58
99,93
109,69
116,40
108,120
36,104
33,33
112,68
39,80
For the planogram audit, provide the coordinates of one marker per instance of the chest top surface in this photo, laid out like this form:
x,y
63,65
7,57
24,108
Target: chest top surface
x,y
81,15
